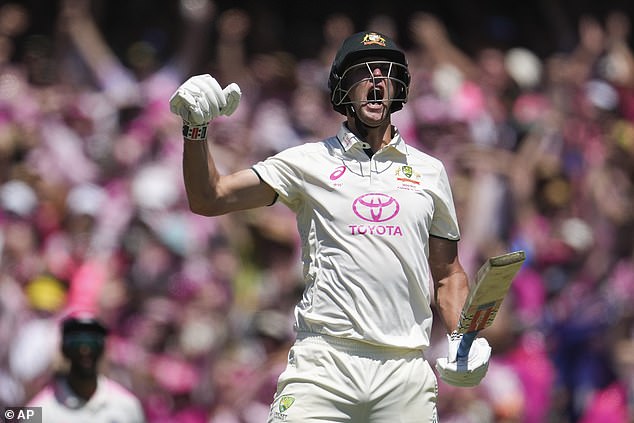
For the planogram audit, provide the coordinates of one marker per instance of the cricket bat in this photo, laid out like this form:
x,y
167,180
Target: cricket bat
x,y
493,281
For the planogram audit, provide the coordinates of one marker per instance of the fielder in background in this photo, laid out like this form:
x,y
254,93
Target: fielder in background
x,y
83,395
379,244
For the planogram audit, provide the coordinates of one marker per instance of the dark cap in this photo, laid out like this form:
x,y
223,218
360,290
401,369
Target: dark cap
x,y
83,322
367,44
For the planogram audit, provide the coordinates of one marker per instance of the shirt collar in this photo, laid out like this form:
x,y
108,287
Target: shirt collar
x,y
349,139
71,400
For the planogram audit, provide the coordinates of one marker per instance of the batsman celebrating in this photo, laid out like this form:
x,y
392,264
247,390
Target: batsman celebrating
x,y
379,244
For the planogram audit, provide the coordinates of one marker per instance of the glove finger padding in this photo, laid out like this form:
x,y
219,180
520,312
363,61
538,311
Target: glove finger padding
x,y
180,104
477,364
201,99
232,94
463,379
185,103
210,95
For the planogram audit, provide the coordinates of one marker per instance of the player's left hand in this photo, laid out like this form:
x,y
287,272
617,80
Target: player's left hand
x,y
477,364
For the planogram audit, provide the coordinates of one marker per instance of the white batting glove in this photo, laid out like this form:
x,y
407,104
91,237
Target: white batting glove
x,y
201,99
476,366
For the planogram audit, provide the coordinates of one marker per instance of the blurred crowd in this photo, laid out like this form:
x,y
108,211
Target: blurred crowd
x,y
540,153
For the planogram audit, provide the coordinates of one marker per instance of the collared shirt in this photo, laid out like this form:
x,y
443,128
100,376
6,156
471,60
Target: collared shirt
x,y
111,403
365,224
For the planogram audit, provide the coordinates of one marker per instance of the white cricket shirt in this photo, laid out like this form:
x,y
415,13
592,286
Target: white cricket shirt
x,y
364,225
111,403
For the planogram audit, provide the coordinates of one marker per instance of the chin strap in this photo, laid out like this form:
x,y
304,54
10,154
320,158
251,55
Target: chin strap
x,y
361,127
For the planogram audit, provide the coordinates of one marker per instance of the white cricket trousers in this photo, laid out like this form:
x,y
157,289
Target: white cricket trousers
x,y
337,380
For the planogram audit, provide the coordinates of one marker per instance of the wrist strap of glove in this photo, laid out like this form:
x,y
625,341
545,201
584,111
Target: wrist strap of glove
x,y
195,132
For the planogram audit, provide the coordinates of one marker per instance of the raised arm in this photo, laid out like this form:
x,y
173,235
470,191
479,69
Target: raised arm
x,y
118,82
197,101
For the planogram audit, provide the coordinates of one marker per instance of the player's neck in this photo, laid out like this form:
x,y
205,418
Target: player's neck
x,y
84,387
377,136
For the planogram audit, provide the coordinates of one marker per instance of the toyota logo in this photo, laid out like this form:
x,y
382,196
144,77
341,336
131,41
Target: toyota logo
x,y
375,207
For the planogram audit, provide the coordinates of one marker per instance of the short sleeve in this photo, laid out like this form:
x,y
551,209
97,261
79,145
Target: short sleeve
x,y
445,221
283,173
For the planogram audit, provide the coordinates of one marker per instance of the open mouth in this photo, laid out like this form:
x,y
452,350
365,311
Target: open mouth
x,y
375,96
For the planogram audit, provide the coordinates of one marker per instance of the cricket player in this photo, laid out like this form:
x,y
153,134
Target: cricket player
x,y
83,395
379,244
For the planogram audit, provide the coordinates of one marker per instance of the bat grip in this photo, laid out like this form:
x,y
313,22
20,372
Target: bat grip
x,y
462,356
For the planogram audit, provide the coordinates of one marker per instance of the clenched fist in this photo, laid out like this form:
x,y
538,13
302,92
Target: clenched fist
x,y
201,99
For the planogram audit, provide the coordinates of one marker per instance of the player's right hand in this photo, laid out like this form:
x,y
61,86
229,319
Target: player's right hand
x,y
201,99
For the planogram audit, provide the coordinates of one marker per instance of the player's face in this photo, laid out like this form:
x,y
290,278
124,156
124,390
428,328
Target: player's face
x,y
371,90
84,349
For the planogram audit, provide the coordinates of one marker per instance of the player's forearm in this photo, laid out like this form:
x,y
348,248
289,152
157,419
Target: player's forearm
x,y
200,176
451,293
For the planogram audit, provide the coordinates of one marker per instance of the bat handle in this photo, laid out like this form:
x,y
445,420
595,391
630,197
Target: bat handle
x,y
462,356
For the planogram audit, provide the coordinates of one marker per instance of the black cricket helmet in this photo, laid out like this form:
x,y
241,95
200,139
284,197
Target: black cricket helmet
x,y
376,47
83,329
83,322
